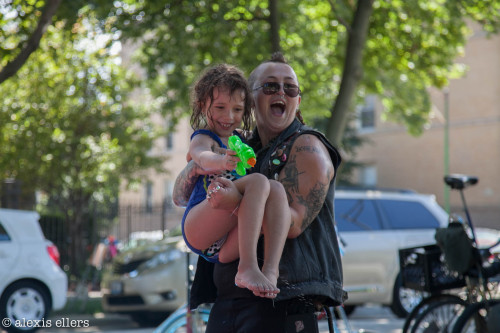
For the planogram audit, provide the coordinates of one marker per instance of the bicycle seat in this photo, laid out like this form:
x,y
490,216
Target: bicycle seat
x,y
458,181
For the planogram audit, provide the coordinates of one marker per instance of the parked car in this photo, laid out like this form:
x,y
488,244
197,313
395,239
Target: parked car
x,y
31,281
148,282
374,225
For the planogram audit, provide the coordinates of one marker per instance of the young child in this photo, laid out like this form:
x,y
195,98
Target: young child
x,y
221,100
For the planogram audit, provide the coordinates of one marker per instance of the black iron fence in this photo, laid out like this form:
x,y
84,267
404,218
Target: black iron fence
x,y
125,223
134,220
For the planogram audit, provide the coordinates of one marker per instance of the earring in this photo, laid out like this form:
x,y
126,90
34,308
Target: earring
x,y
298,114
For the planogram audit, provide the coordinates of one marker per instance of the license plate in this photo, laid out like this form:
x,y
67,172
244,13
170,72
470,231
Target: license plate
x,y
116,287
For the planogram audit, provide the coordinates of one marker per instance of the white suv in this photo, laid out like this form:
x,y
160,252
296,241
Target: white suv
x,y
374,225
31,281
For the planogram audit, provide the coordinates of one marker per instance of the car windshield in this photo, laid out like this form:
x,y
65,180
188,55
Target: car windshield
x,y
356,215
380,214
408,215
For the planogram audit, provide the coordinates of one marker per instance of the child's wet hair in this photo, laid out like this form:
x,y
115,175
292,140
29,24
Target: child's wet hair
x,y
220,76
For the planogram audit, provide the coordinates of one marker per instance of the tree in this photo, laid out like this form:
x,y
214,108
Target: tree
x,y
341,50
66,128
32,43
352,72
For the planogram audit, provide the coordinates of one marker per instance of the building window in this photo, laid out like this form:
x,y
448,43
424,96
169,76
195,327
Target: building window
x,y
169,141
169,188
368,176
149,197
169,137
366,114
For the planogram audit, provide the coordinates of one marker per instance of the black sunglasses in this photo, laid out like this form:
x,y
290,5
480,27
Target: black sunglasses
x,y
271,88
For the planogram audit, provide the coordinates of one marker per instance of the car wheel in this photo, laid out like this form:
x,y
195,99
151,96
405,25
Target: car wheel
x,y
404,299
24,302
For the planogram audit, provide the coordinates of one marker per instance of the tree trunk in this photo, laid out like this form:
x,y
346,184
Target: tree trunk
x,y
275,25
33,42
352,73
79,256
73,235
78,206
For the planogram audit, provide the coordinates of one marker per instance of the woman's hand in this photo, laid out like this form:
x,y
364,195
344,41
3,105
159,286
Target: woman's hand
x,y
223,194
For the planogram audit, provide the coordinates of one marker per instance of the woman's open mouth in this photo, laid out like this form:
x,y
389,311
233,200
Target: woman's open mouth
x,y
278,108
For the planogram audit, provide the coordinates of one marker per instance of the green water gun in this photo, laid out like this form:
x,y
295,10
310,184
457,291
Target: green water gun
x,y
244,152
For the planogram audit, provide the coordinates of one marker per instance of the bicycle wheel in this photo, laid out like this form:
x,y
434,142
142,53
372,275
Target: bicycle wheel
x,y
422,306
475,318
439,317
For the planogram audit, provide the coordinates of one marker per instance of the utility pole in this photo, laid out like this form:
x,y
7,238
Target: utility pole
x,y
446,146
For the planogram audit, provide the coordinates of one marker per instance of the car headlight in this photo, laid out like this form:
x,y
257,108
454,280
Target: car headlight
x,y
160,259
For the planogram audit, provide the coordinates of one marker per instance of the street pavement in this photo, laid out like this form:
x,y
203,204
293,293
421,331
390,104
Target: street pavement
x,y
366,319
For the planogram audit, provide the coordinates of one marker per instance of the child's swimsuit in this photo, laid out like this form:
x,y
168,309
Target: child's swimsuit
x,y
199,194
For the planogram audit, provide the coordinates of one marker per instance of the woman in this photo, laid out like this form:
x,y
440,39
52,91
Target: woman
x,y
306,164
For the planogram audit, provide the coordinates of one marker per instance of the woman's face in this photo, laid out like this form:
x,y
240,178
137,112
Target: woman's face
x,y
274,112
226,111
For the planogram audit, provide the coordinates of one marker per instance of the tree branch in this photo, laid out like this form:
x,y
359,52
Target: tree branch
x,y
340,18
275,25
32,43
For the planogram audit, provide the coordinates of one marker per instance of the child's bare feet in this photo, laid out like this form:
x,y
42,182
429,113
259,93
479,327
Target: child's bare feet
x,y
271,275
273,278
257,282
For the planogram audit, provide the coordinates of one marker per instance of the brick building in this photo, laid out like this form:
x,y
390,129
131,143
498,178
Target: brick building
x,y
396,159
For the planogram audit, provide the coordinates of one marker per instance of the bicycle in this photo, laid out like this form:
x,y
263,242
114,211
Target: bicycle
x,y
477,318
440,312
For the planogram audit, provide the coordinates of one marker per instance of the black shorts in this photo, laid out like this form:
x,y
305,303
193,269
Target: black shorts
x,y
257,315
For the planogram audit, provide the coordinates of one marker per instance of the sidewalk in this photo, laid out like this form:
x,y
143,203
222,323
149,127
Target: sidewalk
x,y
365,319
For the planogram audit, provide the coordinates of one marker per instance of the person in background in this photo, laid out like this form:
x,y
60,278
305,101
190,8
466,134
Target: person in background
x,y
113,250
302,159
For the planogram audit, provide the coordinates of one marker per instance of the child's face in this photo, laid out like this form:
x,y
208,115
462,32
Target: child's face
x,y
226,111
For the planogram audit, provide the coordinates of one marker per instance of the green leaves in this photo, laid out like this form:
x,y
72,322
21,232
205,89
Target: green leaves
x,y
66,127
411,45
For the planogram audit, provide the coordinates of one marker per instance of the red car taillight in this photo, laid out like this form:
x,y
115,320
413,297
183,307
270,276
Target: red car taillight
x,y
54,253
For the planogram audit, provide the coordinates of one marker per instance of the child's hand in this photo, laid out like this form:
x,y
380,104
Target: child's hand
x,y
229,160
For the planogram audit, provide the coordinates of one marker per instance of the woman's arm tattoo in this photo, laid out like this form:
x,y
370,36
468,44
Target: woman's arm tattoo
x,y
291,179
313,201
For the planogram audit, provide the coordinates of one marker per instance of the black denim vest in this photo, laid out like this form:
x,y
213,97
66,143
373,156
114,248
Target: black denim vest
x,y
310,266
